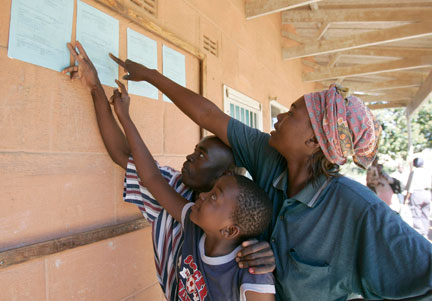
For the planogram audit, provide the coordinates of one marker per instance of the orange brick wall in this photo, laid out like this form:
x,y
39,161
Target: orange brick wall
x,y
57,179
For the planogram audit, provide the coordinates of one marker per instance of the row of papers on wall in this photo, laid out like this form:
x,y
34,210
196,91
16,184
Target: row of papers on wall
x,y
40,29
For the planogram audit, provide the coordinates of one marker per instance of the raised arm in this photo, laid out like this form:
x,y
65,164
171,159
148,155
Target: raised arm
x,y
112,136
202,111
147,170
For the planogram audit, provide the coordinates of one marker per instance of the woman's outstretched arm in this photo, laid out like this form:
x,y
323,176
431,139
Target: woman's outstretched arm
x,y
201,110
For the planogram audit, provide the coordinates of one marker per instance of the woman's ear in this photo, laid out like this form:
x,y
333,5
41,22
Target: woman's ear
x,y
312,143
230,232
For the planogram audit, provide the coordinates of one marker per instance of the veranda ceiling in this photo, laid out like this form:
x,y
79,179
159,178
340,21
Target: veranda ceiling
x,y
380,49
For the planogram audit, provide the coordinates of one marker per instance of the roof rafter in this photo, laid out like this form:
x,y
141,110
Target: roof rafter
x,y
344,4
422,95
322,30
376,37
389,51
314,6
389,105
357,15
360,70
292,36
414,75
384,85
386,97
258,8
406,93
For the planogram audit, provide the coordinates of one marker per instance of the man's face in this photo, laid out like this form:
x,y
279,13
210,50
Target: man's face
x,y
213,210
208,162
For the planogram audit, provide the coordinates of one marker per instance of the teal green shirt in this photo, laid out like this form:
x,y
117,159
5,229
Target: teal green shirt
x,y
336,237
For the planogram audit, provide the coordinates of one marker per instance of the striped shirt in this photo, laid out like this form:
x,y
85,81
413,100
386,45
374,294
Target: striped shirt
x,y
167,234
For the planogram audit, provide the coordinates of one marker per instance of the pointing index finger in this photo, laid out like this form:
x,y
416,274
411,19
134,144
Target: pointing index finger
x,y
72,50
117,60
81,50
122,86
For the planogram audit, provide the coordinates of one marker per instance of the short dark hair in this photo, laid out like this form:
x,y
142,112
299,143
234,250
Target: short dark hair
x,y
418,162
254,208
229,162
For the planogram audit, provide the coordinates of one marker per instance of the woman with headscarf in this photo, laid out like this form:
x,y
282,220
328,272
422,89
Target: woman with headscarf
x,y
331,236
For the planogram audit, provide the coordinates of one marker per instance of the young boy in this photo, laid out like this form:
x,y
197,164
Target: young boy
x,y
210,159
214,226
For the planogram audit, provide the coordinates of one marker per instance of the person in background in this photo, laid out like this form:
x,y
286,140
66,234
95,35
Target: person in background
x,y
372,175
419,195
379,182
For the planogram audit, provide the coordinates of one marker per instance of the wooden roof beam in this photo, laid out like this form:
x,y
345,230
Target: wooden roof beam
x,y
333,60
389,51
389,105
396,94
314,6
402,75
360,70
383,86
357,15
258,8
394,97
311,64
422,95
292,36
376,37
356,4
417,77
322,30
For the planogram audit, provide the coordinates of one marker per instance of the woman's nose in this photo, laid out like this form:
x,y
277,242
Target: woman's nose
x,y
281,116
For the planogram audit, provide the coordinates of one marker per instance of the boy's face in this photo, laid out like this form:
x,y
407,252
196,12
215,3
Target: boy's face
x,y
206,164
213,210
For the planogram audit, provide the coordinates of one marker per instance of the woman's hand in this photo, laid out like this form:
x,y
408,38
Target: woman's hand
x,y
121,101
136,71
257,256
85,69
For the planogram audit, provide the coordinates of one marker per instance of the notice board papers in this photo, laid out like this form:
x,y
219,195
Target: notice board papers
x,y
174,67
99,34
142,50
39,31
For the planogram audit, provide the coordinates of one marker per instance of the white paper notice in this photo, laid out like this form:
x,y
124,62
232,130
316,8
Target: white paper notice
x,y
174,67
39,31
99,34
142,50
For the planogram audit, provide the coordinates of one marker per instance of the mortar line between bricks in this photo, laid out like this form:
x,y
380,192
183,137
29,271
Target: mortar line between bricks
x,y
75,153
140,291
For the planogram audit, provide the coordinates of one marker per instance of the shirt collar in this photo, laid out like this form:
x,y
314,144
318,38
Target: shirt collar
x,y
308,195
281,182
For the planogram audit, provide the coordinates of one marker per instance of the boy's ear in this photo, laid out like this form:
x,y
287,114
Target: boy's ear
x,y
228,172
230,232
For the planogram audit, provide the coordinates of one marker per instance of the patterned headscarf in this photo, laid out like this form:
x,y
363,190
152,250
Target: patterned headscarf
x,y
343,125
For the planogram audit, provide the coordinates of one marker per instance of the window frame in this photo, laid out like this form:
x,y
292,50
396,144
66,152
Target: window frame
x,y
239,99
280,107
